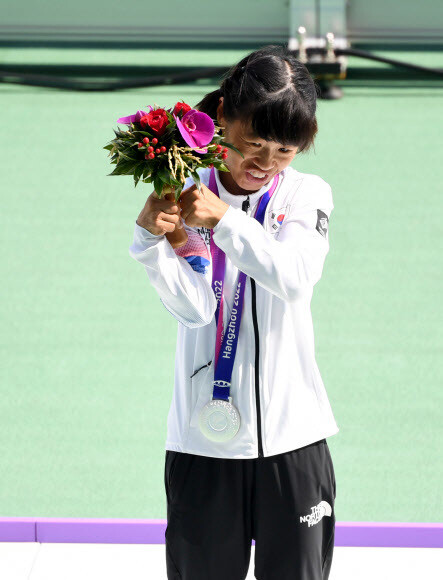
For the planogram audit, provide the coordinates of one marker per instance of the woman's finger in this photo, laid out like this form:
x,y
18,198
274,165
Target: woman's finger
x,y
172,218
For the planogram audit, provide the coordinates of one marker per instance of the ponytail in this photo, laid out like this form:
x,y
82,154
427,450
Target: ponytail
x,y
209,103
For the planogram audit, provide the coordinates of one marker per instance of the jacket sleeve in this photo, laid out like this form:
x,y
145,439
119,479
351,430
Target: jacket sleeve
x,y
285,266
185,293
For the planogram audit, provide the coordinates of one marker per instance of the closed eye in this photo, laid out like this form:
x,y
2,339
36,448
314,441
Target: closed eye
x,y
282,149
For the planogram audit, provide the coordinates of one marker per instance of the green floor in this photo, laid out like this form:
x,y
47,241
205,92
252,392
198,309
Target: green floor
x,y
87,357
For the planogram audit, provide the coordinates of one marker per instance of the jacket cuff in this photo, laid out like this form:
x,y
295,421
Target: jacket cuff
x,y
144,234
227,222
142,241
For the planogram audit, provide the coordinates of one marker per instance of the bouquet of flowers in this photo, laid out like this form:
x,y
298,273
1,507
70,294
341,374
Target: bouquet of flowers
x,y
165,146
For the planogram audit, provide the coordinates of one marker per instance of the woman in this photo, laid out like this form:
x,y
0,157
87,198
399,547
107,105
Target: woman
x,y
246,451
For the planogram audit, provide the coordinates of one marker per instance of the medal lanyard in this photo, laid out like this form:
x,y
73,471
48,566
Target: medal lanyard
x,y
226,342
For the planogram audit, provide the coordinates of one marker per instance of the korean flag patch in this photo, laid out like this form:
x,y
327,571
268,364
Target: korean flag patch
x,y
276,217
322,223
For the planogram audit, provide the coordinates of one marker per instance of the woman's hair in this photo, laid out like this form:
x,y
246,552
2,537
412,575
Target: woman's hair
x,y
272,90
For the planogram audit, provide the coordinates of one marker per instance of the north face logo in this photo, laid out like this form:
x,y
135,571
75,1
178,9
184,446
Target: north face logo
x,y
317,512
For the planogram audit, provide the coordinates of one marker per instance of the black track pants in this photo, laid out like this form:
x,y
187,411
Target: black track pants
x,y
217,506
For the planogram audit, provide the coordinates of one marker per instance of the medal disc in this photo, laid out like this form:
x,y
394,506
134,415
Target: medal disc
x,y
219,420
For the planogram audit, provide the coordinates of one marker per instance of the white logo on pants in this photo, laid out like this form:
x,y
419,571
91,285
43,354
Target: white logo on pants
x,y
318,511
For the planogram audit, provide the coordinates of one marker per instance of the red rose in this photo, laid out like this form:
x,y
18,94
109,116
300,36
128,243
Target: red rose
x,y
143,121
157,121
181,107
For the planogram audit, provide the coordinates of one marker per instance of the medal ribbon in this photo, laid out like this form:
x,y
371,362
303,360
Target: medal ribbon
x,y
226,340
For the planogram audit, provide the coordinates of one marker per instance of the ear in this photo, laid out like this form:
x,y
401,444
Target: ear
x,y
220,118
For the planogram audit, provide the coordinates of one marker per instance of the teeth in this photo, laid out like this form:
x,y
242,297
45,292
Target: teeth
x,y
257,174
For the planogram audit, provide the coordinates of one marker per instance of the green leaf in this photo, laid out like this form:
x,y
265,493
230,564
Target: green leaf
x,y
119,134
138,171
121,142
158,185
133,154
197,180
125,157
125,167
145,133
178,191
164,174
147,171
231,147
117,171
169,129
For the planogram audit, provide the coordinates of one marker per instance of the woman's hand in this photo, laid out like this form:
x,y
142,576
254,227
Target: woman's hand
x,y
201,209
160,215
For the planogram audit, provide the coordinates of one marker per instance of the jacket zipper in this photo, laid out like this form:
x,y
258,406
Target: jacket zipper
x,y
245,207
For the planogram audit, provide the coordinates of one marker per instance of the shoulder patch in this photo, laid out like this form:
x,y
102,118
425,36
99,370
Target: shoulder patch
x,y
322,223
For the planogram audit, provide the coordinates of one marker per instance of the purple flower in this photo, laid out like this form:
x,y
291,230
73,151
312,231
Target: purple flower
x,y
134,118
197,129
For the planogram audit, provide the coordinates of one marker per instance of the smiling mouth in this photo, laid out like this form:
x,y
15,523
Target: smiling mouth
x,y
252,177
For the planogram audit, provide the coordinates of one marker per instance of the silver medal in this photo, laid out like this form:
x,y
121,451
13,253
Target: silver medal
x,y
219,420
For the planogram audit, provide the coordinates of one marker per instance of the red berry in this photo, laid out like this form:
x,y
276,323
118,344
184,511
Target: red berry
x,y
151,155
139,145
163,149
225,149
155,141
145,140
146,156
224,155
157,150
219,148
150,149
211,165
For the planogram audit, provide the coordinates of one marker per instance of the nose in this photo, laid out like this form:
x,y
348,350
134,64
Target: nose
x,y
262,169
264,163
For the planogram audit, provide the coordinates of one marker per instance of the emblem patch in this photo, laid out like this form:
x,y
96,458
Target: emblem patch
x,y
276,217
322,223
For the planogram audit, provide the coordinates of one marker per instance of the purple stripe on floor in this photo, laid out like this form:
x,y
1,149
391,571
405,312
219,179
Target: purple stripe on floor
x,y
128,531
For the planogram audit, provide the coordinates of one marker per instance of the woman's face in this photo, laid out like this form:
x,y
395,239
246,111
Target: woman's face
x,y
263,158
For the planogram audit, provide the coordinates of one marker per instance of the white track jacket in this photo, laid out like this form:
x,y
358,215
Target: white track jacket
x,y
276,384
